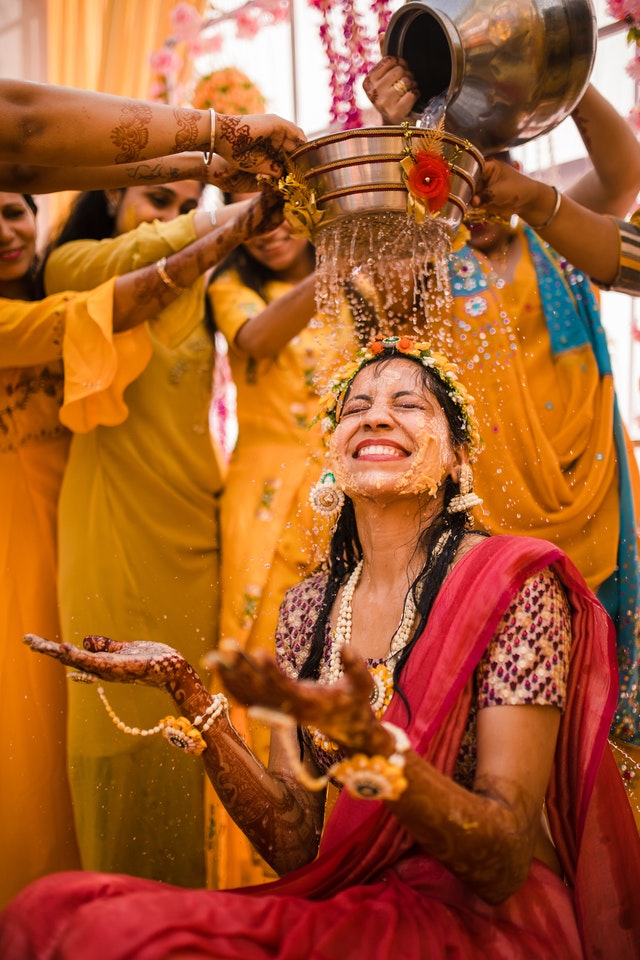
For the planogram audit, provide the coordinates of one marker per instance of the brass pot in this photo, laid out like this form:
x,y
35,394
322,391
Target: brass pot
x,y
508,70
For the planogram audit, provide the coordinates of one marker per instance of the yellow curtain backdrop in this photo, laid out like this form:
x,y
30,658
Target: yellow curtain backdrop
x,y
105,45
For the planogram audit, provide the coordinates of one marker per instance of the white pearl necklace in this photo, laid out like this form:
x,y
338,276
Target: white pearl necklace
x,y
344,622
342,632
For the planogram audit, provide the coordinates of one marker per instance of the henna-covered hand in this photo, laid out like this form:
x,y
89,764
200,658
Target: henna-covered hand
x,y
257,143
265,212
503,190
139,661
392,105
341,710
227,177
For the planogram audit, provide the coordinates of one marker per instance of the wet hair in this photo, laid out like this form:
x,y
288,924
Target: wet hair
x,y
430,381
345,550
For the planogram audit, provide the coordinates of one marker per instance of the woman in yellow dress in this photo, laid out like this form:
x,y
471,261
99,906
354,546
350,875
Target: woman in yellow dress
x,y
42,402
281,353
139,542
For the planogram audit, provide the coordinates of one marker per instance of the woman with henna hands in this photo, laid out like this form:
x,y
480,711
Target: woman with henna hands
x,y
607,248
525,326
46,126
68,360
458,690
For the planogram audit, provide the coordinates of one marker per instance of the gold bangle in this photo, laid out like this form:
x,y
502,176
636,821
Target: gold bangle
x,y
166,279
556,207
208,154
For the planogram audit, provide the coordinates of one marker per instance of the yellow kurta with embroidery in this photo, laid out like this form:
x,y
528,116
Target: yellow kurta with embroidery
x,y
271,538
139,559
549,466
36,821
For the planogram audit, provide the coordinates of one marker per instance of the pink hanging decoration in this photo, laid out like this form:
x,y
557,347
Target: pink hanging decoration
x,y
629,11
350,51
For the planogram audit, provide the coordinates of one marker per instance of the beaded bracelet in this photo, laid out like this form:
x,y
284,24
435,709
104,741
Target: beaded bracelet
x,y
179,731
554,212
161,266
208,154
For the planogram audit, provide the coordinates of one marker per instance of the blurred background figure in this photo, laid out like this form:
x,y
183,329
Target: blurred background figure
x,y
281,354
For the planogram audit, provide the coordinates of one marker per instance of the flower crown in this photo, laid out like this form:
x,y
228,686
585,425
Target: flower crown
x,y
446,371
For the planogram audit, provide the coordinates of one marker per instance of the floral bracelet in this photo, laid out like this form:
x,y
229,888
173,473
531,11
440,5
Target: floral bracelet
x,y
377,777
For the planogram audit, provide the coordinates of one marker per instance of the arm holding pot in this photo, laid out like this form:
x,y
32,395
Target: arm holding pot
x,y
590,240
612,184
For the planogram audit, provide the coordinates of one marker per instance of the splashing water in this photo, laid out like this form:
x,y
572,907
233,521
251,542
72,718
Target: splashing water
x,y
390,270
434,113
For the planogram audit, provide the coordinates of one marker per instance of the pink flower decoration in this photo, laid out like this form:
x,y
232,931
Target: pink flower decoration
x,y
634,118
214,43
616,9
247,24
164,62
186,21
633,68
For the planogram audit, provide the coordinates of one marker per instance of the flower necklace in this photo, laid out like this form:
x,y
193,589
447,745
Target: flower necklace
x,y
382,673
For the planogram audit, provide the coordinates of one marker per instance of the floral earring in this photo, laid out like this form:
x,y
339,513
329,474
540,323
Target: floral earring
x,y
465,500
326,497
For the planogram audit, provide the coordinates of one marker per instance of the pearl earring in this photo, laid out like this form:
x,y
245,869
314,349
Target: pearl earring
x,y
465,500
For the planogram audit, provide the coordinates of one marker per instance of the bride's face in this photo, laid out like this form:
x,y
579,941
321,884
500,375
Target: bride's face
x,y
393,438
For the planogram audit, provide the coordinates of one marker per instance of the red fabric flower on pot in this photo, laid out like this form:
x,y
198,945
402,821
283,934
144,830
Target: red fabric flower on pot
x,y
429,179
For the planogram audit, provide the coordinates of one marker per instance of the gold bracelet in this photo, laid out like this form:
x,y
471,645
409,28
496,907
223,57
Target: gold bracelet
x,y
554,212
208,154
166,279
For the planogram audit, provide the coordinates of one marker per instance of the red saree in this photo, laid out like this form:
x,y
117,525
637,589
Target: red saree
x,y
371,893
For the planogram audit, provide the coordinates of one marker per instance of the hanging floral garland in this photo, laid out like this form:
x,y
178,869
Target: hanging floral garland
x,y
351,48
350,51
629,12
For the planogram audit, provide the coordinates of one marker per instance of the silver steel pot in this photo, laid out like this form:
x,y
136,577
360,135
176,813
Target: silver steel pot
x,y
509,70
356,172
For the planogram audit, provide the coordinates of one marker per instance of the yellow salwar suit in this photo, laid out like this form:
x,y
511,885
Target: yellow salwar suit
x,y
271,538
37,833
139,552
556,462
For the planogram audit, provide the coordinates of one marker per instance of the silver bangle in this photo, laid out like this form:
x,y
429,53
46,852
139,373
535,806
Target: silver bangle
x,y
208,154
556,207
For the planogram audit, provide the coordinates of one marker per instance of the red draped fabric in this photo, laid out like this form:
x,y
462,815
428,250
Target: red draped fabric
x,y
371,893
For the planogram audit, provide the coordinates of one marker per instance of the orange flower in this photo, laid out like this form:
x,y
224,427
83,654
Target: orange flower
x,y
404,345
429,179
228,91
376,347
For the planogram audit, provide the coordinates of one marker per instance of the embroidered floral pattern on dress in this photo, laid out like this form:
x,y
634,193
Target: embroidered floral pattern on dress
x,y
30,400
268,495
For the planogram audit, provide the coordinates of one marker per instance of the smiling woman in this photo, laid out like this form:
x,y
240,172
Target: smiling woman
x,y
421,445
391,684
